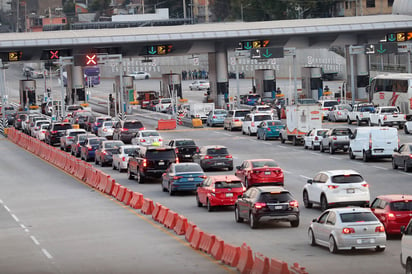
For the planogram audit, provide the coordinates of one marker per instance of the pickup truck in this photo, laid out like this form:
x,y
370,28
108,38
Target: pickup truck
x,y
387,116
360,114
184,148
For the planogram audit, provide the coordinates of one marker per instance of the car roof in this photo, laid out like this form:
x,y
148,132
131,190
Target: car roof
x,y
271,189
256,160
340,172
214,146
350,209
182,139
395,197
225,178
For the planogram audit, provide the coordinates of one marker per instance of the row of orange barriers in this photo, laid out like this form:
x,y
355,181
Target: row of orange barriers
x,y
240,257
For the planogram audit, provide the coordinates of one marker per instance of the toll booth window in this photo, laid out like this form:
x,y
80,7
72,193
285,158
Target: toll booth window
x,y
31,94
81,95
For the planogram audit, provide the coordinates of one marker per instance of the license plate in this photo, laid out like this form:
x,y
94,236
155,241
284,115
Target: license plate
x,y
345,146
350,190
190,179
187,156
229,194
161,163
365,241
220,164
278,207
267,172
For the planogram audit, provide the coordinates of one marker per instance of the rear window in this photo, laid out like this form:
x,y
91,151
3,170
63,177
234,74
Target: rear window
x,y
347,179
232,184
62,126
185,143
129,151
269,197
188,168
241,113
133,125
264,109
220,111
342,132
357,217
150,133
275,123
108,124
330,103
161,154
262,117
113,144
101,119
367,109
75,133
264,164
217,151
254,97
389,110
95,141
166,101
73,108
401,206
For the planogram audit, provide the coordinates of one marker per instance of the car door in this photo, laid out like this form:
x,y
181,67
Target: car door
x,y
167,175
202,190
308,138
240,172
328,227
397,156
246,123
405,154
245,201
318,228
377,207
317,187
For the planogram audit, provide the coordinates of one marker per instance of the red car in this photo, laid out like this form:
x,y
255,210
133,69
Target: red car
x,y
260,172
393,211
221,190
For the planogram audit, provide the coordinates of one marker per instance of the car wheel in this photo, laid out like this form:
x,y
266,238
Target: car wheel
x,y
306,202
252,221
408,268
209,206
171,192
332,245
265,137
237,216
281,139
370,123
305,146
323,203
139,178
405,128
230,127
358,122
113,166
294,141
331,150
321,148
405,167
379,123
365,156
394,165
129,174
351,155
294,223
199,204
257,135
95,161
311,237
349,121
243,132
313,147
249,132
163,187
246,183
118,168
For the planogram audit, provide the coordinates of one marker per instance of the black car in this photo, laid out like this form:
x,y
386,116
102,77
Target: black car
x,y
267,203
78,142
151,161
214,157
19,117
125,130
184,148
402,157
55,131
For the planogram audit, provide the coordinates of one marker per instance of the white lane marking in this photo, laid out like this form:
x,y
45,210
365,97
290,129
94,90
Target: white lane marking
x,y
227,134
15,218
23,226
26,230
1,201
284,147
384,168
34,240
314,153
305,177
266,144
287,172
8,209
47,254
336,158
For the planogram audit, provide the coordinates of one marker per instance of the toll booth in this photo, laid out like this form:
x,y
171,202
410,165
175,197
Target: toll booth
x,y
27,93
75,93
128,93
312,84
171,85
265,82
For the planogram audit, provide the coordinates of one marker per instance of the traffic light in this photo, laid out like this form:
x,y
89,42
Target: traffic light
x,y
88,59
11,56
158,49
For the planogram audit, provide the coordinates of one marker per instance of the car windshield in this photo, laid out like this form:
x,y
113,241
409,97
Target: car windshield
x,y
401,206
367,109
274,123
262,117
62,126
264,164
353,217
264,109
347,179
241,113
150,133
185,143
95,141
232,184
161,154
343,107
113,144
129,151
217,151
133,125
166,101
253,97
188,168
330,103
342,132
276,197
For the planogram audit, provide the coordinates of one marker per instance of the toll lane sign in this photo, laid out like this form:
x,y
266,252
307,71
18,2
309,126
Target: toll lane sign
x,y
267,53
381,48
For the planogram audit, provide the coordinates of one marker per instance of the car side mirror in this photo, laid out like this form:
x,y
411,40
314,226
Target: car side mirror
x,y
403,229
164,174
200,185
238,167
351,136
240,196
314,220
310,181
395,150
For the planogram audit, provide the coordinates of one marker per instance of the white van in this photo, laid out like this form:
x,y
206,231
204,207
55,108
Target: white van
x,y
406,247
373,142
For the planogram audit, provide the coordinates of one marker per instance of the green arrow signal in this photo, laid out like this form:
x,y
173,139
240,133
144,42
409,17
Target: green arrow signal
x,y
381,49
152,50
267,54
392,37
248,45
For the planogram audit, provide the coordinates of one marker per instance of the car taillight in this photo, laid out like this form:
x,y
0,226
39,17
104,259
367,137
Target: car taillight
x,y
54,132
43,131
214,117
99,124
177,177
333,186
268,129
208,157
89,148
77,120
104,152
70,137
160,140
105,129
339,113
294,203
365,185
176,150
144,163
410,156
197,150
259,205
202,176
236,120
18,120
391,216
124,129
325,108
123,159
348,230
380,229
177,160
142,128
316,138
334,138
229,156
142,140
385,118
78,145
252,124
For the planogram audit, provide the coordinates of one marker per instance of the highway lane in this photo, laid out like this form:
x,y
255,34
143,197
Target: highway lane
x,y
280,240
52,223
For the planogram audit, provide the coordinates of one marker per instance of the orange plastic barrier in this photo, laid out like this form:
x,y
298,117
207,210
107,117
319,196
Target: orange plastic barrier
x,y
278,267
137,200
156,211
217,249
230,255
246,261
197,123
298,269
189,231
147,206
75,165
171,219
207,242
261,264
90,175
81,170
166,124
181,225
162,214
109,186
103,182
127,196
115,189
96,178
120,193
196,238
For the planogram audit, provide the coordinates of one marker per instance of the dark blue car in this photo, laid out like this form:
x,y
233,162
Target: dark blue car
x,y
89,148
182,177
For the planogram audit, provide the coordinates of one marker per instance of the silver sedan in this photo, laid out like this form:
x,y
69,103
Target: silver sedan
x,y
347,228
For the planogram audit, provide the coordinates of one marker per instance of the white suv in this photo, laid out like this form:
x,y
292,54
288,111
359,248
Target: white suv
x,y
252,120
336,188
406,247
163,104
